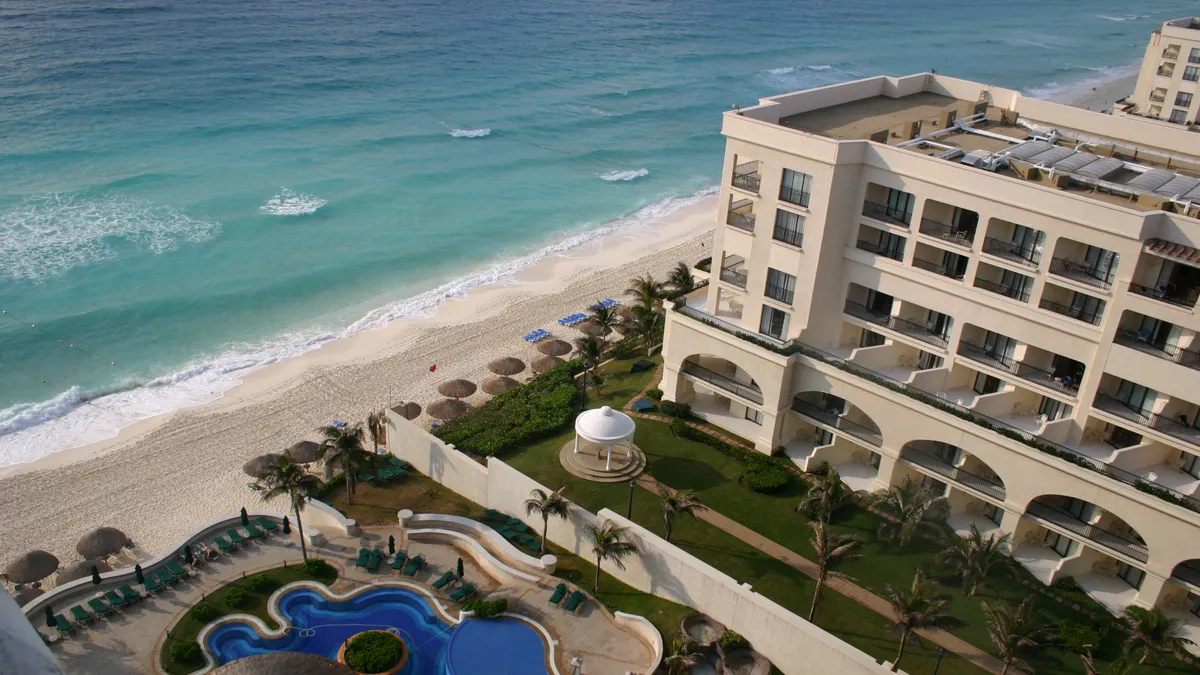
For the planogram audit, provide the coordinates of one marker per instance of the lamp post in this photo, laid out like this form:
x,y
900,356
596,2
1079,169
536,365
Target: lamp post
x,y
629,510
941,653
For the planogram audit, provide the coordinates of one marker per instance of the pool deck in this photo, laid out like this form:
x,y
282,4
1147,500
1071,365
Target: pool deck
x,y
130,640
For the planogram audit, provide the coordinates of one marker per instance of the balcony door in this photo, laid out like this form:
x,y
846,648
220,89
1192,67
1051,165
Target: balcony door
x,y
1102,262
1136,397
1062,545
1027,242
900,205
1085,306
1130,575
1000,346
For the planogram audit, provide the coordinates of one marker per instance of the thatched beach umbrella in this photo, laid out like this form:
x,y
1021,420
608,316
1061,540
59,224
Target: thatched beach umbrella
x,y
457,388
446,409
27,596
262,465
499,385
554,348
409,411
304,452
81,570
543,363
284,663
506,367
621,328
592,330
101,542
31,567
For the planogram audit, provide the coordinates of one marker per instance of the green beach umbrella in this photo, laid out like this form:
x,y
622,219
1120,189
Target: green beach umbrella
x,y
245,517
49,617
95,575
141,576
391,545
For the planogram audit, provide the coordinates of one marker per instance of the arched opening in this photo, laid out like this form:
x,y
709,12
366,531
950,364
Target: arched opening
x,y
1186,576
975,491
723,393
825,428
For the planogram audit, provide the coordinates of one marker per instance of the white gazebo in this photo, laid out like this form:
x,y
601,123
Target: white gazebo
x,y
607,427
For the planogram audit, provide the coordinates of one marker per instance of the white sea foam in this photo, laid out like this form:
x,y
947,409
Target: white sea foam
x,y
47,235
1057,91
791,78
30,431
631,174
1123,19
470,133
288,203
590,110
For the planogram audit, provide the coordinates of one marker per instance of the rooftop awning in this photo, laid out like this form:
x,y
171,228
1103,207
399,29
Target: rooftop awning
x,y
1169,249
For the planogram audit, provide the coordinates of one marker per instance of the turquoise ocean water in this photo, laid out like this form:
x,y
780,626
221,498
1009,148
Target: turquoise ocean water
x,y
192,189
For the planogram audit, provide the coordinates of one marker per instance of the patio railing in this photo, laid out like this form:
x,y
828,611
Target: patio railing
x,y
833,419
1055,516
749,392
990,487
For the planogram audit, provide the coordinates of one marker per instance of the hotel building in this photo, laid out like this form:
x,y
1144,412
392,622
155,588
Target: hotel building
x,y
1167,83
993,295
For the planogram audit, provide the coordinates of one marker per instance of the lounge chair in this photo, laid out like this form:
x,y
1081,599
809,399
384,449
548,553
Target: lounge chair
x,y
375,560
519,526
443,580
234,537
114,599
463,593
369,477
266,524
510,535
254,532
414,565
401,558
399,463
560,592
64,627
223,544
575,601
528,540
641,365
494,515
387,474
643,405
163,576
364,556
129,594
152,585
176,569
100,607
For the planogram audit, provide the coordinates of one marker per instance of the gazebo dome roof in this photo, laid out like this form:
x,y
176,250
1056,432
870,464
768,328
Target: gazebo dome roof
x,y
604,425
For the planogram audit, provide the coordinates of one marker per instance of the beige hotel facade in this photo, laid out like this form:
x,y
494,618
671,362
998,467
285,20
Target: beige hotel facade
x,y
994,295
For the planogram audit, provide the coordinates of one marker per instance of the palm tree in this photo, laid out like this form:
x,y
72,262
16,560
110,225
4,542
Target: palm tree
x,y
684,656
289,478
590,352
1153,633
831,551
644,323
680,280
547,504
827,494
604,317
1118,667
344,445
908,508
1016,631
912,610
608,543
680,503
377,427
647,289
977,558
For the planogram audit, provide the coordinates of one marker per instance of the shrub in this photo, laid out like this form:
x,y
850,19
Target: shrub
x,y
185,652
680,410
1082,637
323,490
261,583
236,597
1067,584
486,609
627,347
764,474
319,568
655,394
523,415
204,611
733,640
374,652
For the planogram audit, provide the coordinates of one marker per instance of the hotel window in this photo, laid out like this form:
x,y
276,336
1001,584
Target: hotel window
x,y
870,339
1052,409
781,286
900,205
993,513
789,228
1178,116
1183,100
755,416
1194,603
1080,509
929,361
1191,464
1194,56
1130,575
1191,73
774,322
795,188
1136,397
986,384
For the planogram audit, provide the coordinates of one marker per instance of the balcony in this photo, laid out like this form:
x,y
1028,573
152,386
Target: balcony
x,y
937,269
1014,292
741,216
990,487
746,177
781,293
833,419
1051,515
1011,252
731,328
788,235
1157,97
1025,371
1171,53
1092,318
1164,425
733,276
1166,352
1084,274
1185,298
886,252
750,392
902,326
885,213
947,233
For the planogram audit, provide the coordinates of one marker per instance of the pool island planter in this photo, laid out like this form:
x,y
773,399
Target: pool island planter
x,y
399,665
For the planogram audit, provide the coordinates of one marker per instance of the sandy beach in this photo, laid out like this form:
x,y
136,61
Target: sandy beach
x,y
160,478
1100,96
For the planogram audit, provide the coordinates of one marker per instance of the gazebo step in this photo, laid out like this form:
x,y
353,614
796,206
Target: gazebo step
x,y
592,467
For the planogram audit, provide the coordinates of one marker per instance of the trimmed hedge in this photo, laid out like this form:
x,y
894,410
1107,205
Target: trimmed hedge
x,y
204,611
763,473
677,410
486,609
655,394
261,583
236,597
186,652
529,413
374,652
319,568
733,640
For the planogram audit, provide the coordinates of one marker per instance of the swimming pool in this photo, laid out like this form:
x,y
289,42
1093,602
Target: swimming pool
x,y
320,625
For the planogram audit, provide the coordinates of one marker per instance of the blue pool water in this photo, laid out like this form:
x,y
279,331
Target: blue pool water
x,y
320,626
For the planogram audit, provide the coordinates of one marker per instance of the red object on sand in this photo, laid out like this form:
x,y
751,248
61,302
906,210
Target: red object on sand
x,y
433,368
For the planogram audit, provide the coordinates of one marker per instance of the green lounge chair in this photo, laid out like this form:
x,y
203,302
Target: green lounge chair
x,y
494,515
443,580
114,599
176,569
152,585
364,556
81,615
100,607
254,532
520,527
375,560
463,593
369,477
64,627
574,602
163,576
387,474
223,544
236,538
511,535
528,540
399,463
401,558
129,594
560,592
266,524
414,565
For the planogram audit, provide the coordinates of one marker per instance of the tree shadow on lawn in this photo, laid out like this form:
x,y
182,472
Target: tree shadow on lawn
x,y
684,473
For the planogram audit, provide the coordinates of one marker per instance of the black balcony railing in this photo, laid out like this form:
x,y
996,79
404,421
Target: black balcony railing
x,y
886,320
1065,384
982,355
1084,274
938,269
734,277
1171,427
886,213
1014,292
988,486
794,196
880,250
1011,251
1092,318
788,235
1166,352
947,233
748,180
1002,429
750,392
1179,297
834,419
1053,515
742,221
781,293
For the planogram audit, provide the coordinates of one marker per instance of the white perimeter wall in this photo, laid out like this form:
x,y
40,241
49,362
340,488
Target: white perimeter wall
x,y
796,646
